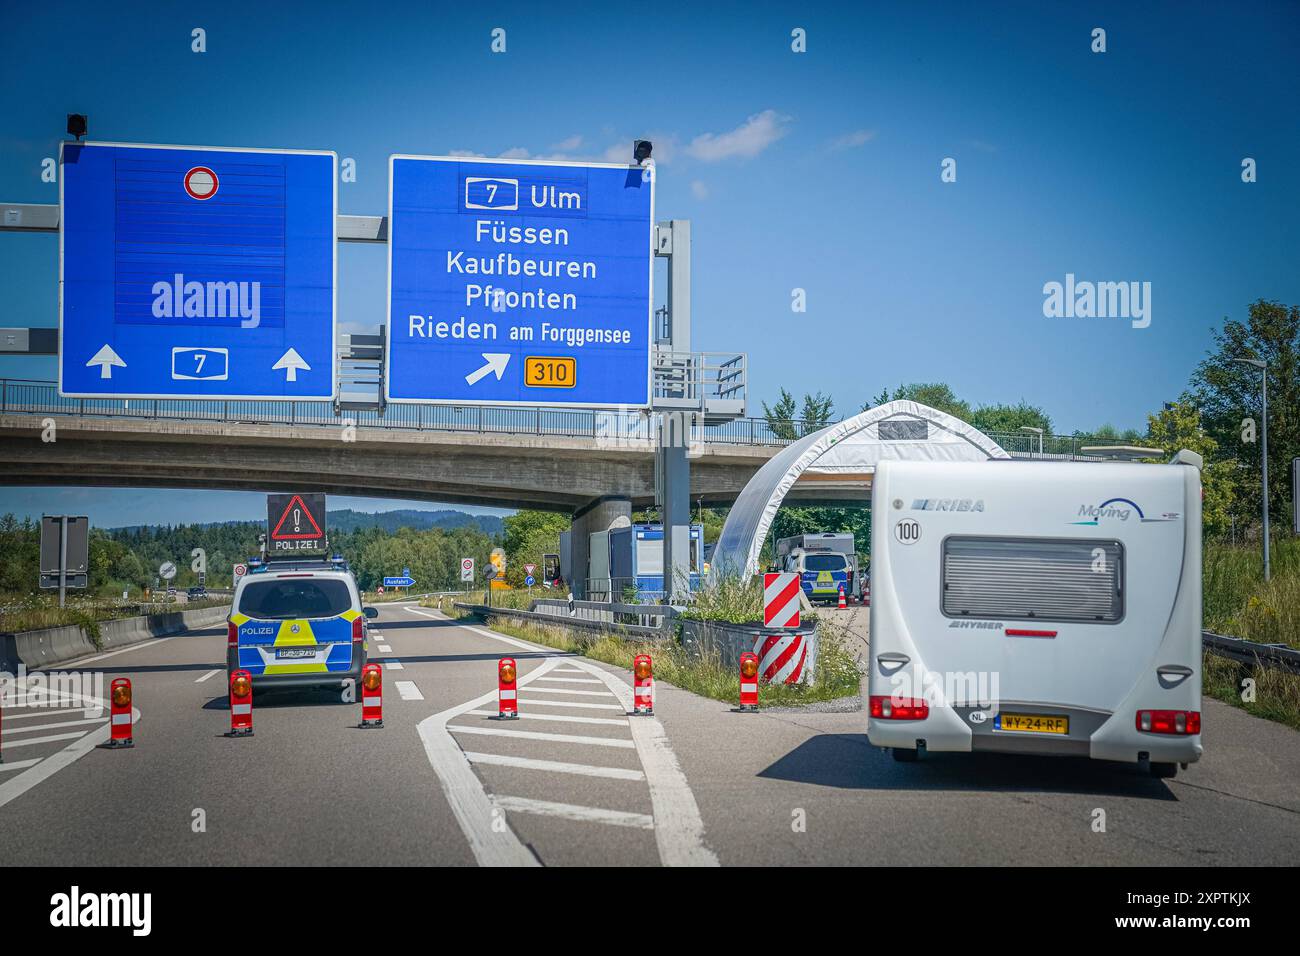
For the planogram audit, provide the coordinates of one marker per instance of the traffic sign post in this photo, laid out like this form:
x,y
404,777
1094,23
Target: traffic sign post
x,y
65,553
196,272
467,569
519,282
399,582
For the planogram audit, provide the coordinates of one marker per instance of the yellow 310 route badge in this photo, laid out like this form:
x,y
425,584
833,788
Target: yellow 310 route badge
x,y
547,371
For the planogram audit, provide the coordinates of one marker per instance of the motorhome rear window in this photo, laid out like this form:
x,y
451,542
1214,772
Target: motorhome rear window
x,y
285,598
1041,579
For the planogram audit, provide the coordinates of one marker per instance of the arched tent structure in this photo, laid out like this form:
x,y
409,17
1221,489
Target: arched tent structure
x,y
847,451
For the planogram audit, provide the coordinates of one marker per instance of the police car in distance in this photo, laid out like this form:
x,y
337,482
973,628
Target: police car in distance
x,y
297,623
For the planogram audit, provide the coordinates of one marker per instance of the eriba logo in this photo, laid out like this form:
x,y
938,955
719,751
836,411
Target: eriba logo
x,y
74,909
947,504
208,300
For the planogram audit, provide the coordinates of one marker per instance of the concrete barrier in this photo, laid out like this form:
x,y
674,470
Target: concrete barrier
x,y
728,641
59,645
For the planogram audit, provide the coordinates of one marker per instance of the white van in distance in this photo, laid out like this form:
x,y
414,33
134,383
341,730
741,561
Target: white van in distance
x,y
1034,607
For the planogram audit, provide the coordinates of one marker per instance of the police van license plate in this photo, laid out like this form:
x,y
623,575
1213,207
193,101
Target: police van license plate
x,y
294,653
1032,723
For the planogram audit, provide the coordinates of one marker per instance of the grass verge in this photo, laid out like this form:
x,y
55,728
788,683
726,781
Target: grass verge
x,y
39,612
836,676
1276,694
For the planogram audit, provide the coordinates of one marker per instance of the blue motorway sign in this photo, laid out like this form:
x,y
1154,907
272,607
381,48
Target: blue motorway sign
x,y
196,272
519,282
403,582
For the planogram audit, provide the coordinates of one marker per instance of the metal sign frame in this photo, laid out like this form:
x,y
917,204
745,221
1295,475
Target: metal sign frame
x,y
334,253
650,272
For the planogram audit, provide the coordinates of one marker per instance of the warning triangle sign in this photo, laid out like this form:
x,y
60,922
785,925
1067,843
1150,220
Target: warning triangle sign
x,y
297,523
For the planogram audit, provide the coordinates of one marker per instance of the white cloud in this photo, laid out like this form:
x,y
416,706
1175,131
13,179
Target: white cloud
x,y
465,152
516,152
746,141
699,190
568,145
858,137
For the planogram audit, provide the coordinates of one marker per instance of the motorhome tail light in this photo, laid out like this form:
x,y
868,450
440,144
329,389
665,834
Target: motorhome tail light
x,y
1176,722
358,630
1028,632
232,634
899,708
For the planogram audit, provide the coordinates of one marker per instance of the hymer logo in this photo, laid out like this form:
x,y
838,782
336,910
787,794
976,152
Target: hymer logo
x,y
980,625
75,909
947,504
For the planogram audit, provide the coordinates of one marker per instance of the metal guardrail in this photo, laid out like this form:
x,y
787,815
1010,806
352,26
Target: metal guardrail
x,y
639,631
28,397
1278,657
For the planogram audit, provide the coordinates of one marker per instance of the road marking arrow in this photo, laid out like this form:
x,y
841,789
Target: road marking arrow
x,y
291,362
496,362
106,358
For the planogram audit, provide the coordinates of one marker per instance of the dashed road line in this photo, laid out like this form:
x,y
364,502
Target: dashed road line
x,y
45,713
207,675
570,680
18,764
45,740
569,811
580,705
55,726
407,690
393,665
561,690
385,649
554,766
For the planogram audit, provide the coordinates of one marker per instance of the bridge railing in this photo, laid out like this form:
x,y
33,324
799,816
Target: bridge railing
x,y
27,397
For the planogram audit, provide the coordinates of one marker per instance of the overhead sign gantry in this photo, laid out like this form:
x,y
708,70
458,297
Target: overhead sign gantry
x,y
196,272
520,282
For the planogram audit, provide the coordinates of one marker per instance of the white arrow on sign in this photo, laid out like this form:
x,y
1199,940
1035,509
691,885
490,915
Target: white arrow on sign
x,y
496,362
291,362
106,358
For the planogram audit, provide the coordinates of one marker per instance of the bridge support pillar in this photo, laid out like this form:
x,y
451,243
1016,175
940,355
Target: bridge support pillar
x,y
596,516
673,495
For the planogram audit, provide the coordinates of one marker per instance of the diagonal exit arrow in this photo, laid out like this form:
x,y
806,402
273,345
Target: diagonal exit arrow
x,y
496,362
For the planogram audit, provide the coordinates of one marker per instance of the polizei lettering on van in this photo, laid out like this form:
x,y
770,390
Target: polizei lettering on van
x,y
947,504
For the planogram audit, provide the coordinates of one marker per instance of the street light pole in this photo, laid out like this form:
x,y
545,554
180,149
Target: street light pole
x,y
1039,433
1263,382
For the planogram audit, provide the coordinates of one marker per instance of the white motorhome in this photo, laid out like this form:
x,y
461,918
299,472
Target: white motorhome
x,y
1038,607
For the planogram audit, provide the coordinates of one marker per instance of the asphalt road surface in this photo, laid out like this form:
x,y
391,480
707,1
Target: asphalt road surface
x,y
576,781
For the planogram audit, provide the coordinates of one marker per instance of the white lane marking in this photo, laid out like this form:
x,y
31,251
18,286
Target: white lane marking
x,y
491,846
679,828
8,716
45,740
569,670
564,718
563,690
393,665
407,690
555,766
385,649
18,764
535,702
570,680
208,674
569,811
554,738
550,652
56,726
103,657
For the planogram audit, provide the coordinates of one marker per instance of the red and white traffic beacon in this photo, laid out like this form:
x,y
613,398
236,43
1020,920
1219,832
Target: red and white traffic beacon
x,y
507,689
241,704
372,696
119,695
749,682
643,686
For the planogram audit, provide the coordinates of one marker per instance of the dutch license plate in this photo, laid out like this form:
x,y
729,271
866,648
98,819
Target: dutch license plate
x,y
1033,723
294,653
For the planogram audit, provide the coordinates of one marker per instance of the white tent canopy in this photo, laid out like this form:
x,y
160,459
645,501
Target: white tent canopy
x,y
894,431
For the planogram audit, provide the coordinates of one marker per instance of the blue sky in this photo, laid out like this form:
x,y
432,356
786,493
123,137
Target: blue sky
x,y
818,171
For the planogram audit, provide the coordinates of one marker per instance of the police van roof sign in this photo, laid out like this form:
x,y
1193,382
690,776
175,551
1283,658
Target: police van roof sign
x,y
295,523
200,272
519,282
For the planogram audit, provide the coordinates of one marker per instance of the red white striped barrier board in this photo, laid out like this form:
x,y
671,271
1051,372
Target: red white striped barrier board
x,y
781,599
781,657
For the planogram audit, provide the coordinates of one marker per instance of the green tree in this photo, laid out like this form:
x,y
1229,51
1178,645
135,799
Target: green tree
x,y
1228,393
935,394
1179,427
529,535
1010,418
816,412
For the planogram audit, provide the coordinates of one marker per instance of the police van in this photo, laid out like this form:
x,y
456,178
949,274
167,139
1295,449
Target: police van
x,y
825,562
297,623
1038,607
